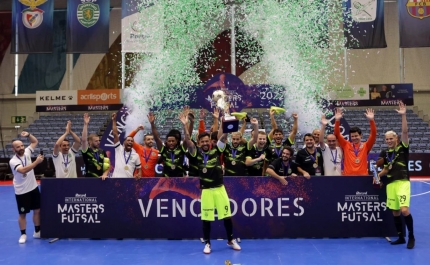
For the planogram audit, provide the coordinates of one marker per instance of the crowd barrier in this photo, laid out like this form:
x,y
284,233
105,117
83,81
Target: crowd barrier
x,y
170,208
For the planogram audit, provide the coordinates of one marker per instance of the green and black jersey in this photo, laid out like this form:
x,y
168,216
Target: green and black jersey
x,y
253,152
93,160
276,150
397,160
173,161
193,169
234,160
209,164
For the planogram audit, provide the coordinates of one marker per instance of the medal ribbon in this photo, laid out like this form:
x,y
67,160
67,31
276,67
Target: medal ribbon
x,y
356,151
172,156
334,157
233,152
286,169
25,159
149,155
278,151
205,158
126,160
391,158
66,161
314,159
96,154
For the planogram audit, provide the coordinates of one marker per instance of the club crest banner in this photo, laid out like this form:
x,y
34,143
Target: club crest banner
x,y
32,26
88,26
414,23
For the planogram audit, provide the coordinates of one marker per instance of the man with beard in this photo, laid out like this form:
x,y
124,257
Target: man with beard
x,y
396,169
355,153
148,155
275,137
27,192
309,159
172,153
235,154
65,165
283,166
96,160
257,155
332,154
214,195
126,159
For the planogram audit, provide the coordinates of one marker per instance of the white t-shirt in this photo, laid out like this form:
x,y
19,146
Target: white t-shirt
x,y
332,160
23,183
60,162
123,169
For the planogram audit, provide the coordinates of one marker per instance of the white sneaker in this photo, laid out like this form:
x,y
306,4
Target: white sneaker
x,y
36,235
207,249
22,239
233,244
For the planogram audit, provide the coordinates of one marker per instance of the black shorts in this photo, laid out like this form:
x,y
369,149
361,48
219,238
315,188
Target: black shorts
x,y
28,201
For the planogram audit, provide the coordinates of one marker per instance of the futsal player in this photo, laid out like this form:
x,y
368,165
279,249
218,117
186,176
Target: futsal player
x,y
396,163
27,192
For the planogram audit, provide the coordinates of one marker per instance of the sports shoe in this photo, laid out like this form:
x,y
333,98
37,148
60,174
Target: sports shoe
x,y
207,249
22,239
36,235
400,240
411,243
234,245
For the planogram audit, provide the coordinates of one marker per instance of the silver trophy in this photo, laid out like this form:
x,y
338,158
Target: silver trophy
x,y
230,123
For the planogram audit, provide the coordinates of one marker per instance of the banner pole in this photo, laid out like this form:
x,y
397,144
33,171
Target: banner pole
x,y
70,71
345,64
16,57
122,70
233,41
402,66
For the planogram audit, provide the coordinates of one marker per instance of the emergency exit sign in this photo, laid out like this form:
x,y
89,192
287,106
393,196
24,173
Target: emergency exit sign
x,y
18,119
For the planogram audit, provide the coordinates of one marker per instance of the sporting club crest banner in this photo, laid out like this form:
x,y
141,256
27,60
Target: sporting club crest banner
x,y
364,24
414,23
32,26
88,26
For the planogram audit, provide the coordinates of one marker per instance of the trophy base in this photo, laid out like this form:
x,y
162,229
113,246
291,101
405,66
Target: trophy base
x,y
230,124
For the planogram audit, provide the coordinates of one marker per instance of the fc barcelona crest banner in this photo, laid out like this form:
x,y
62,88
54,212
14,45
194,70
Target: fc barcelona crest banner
x,y
364,24
414,23
88,26
32,26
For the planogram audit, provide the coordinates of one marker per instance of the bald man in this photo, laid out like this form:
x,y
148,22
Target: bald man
x,y
332,153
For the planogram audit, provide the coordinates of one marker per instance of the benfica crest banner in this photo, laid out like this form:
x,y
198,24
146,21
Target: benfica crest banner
x,y
32,26
88,26
414,23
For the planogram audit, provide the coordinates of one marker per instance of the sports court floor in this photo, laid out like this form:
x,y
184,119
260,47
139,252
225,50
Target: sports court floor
x,y
265,251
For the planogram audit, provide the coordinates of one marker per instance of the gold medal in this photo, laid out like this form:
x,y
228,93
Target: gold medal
x,y
204,170
357,160
146,166
315,165
289,171
173,167
258,166
233,163
390,167
66,170
126,167
98,167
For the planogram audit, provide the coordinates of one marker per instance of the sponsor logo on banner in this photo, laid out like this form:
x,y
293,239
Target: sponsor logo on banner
x,y
99,97
60,97
363,10
418,8
88,13
32,17
361,207
80,209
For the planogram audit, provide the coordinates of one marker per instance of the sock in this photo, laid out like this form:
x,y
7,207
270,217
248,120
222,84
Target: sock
x,y
398,224
37,228
410,225
228,224
207,232
23,232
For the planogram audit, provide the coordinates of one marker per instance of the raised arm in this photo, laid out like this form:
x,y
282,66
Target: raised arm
x,y
324,123
114,129
254,139
215,114
202,115
151,119
31,138
295,128
338,116
221,135
76,139
133,133
402,111
187,138
61,139
85,132
370,115
273,123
